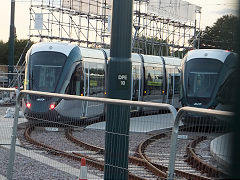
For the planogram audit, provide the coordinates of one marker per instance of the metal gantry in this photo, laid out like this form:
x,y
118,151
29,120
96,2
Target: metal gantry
x,y
88,23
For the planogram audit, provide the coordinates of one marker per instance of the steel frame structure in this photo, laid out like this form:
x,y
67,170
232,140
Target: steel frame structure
x,y
151,34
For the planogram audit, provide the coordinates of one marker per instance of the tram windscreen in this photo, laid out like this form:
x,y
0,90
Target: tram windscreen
x,y
201,84
45,70
202,75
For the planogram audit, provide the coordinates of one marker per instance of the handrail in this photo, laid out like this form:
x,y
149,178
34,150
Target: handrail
x,y
181,112
103,100
8,89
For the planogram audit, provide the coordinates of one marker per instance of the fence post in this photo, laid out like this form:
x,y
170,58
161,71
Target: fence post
x,y
119,87
13,139
171,166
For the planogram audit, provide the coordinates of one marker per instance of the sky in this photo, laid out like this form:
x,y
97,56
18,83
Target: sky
x,y
211,11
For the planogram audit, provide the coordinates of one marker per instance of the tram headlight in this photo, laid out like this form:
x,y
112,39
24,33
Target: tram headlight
x,y
52,106
28,104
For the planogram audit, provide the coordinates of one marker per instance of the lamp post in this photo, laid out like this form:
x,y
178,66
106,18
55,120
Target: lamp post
x,y
11,43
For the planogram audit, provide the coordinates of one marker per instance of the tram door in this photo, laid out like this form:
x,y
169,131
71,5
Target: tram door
x,y
85,85
136,84
154,83
173,86
78,78
76,87
94,86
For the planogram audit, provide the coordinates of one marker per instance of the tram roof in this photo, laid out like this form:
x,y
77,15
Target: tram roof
x,y
92,53
174,61
64,48
208,53
134,57
152,59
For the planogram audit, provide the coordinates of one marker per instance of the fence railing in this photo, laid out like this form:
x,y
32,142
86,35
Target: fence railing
x,y
200,113
150,110
75,129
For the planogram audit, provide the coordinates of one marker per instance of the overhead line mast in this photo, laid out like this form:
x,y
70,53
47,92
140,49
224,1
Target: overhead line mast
x,y
11,43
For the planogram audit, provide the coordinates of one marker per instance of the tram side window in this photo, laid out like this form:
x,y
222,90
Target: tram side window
x,y
154,81
96,81
75,86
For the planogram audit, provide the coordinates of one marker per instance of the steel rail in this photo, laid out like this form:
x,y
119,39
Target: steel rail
x,y
200,164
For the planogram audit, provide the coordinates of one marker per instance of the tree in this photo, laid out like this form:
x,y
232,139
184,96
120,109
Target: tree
x,y
180,53
222,35
3,53
151,46
18,50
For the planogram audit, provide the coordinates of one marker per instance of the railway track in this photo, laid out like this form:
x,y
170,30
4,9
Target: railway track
x,y
182,169
187,164
93,158
144,164
198,163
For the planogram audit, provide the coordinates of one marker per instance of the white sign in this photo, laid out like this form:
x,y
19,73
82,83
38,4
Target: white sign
x,y
38,21
123,79
177,10
109,23
182,136
51,129
89,6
